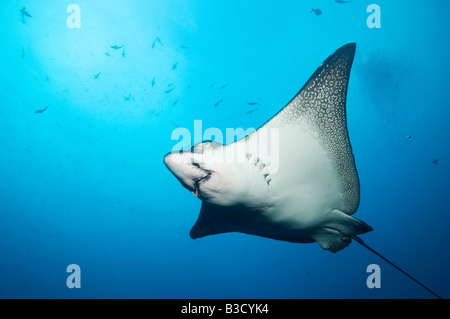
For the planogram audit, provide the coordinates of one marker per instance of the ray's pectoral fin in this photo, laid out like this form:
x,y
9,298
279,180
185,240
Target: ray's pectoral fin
x,y
338,231
211,221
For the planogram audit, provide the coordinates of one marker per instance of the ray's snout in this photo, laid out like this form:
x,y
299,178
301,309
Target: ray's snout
x,y
180,164
172,160
177,163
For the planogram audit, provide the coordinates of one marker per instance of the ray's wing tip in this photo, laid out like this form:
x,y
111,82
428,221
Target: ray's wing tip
x,y
350,47
347,49
194,233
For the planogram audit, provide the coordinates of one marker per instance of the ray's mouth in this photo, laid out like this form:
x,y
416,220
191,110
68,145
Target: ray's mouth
x,y
200,180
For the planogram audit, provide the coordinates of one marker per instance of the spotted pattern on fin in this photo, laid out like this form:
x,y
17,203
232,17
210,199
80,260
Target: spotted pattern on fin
x,y
321,103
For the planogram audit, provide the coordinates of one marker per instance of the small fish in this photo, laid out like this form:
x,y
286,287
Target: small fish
x,y
24,14
341,1
174,66
408,136
128,98
224,86
41,110
106,53
170,84
218,102
157,39
116,47
318,12
251,111
175,103
183,47
252,103
212,85
169,90
123,53
96,75
153,82
435,161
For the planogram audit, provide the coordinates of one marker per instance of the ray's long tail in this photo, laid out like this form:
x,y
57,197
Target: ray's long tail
x,y
362,243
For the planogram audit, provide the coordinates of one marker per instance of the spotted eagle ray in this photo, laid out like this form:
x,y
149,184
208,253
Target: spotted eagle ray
x,y
294,179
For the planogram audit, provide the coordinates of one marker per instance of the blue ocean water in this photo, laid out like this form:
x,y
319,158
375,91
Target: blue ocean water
x,y
83,181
